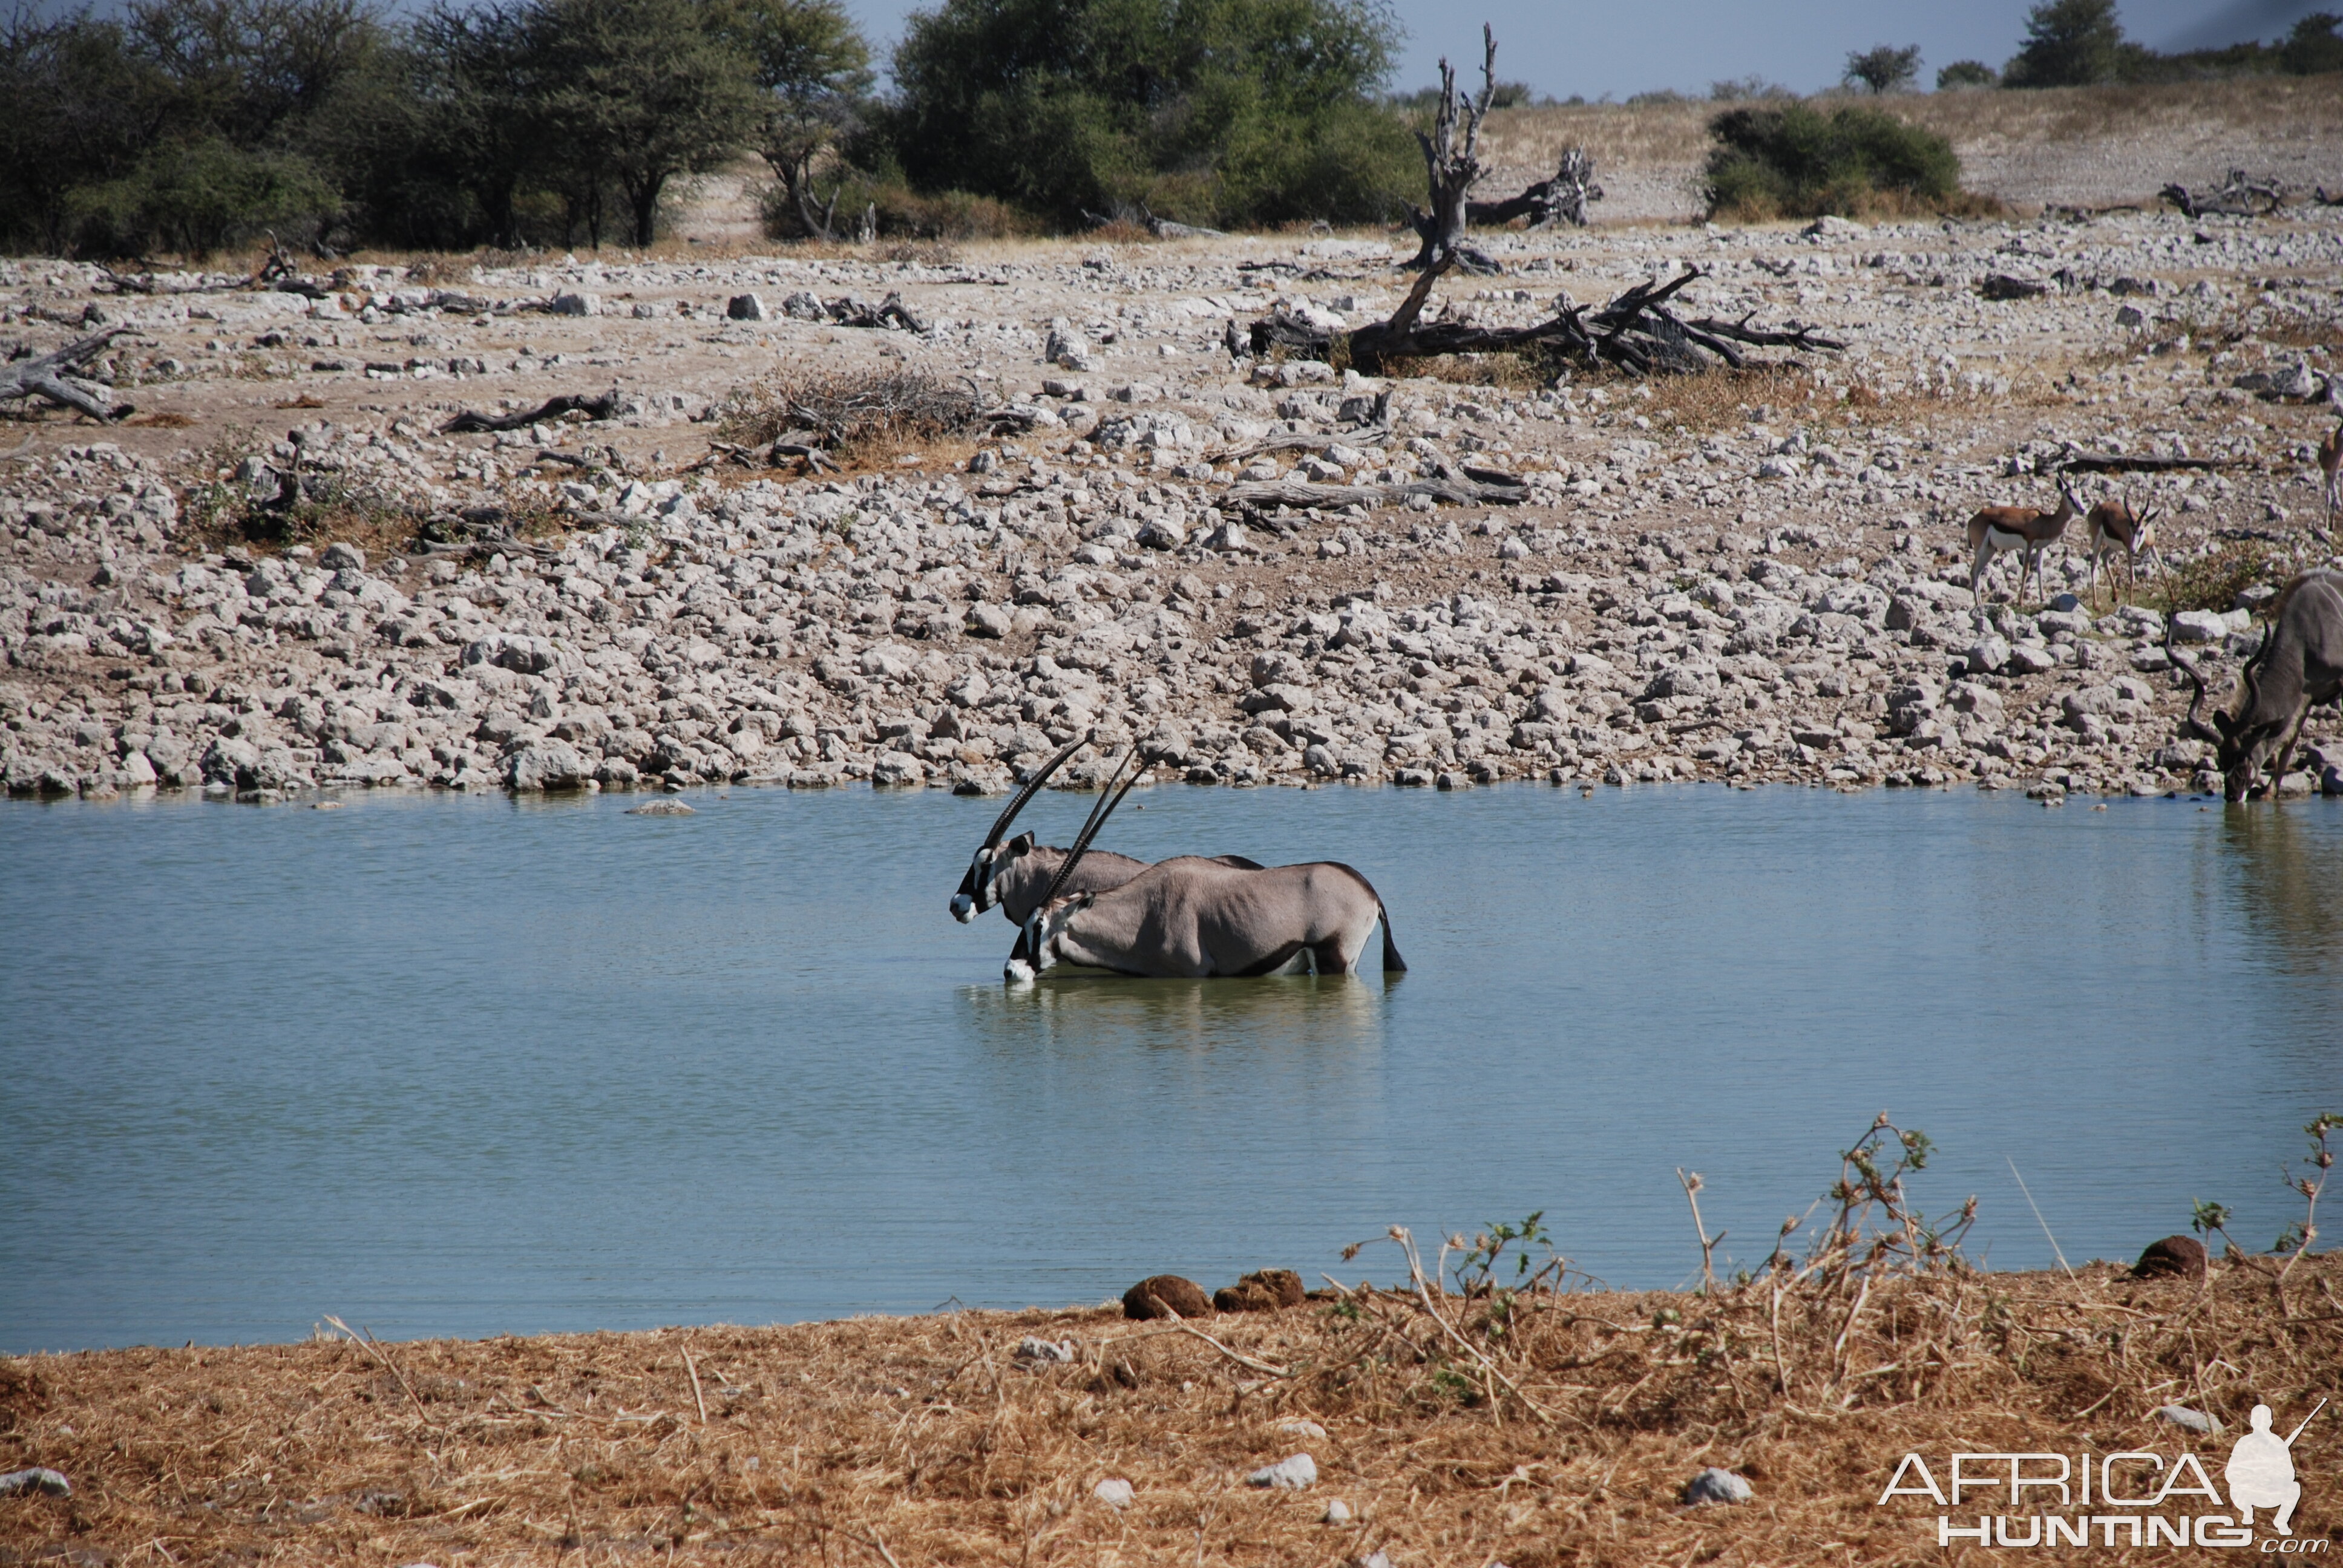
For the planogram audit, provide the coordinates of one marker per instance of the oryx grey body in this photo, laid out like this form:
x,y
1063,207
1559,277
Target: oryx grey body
x,y
1997,530
2298,665
1189,918
1021,871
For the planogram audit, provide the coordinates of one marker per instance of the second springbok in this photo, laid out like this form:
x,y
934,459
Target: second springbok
x,y
2115,525
1998,530
2330,463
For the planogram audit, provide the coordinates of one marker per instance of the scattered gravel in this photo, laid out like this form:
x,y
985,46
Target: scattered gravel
x,y
1767,582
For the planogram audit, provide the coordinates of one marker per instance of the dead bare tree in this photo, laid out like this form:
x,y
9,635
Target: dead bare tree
x,y
46,377
1451,164
1637,333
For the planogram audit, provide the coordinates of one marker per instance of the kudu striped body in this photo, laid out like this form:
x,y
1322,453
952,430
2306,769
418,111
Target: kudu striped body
x,y
2113,525
1999,530
2299,666
1192,918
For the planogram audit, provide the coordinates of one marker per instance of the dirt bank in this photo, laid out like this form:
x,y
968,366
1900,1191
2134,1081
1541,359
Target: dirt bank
x,y
1549,1429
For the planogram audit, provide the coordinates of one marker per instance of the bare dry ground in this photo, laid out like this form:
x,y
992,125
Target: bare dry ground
x,y
1753,576
1528,1431
2076,146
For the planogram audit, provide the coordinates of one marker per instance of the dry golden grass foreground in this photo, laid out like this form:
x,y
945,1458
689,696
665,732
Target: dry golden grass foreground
x,y
1455,1429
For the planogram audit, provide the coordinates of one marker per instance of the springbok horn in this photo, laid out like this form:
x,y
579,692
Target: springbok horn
x,y
1032,786
1107,801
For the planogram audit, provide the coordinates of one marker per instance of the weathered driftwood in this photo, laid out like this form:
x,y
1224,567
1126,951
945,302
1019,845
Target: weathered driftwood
x,y
2115,463
1160,227
1452,164
2239,196
1463,487
2001,285
1636,332
469,422
889,312
46,377
1562,199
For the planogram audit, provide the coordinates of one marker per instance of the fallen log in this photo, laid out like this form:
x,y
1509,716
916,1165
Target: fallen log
x,y
2239,196
44,377
2116,463
1466,486
1636,332
470,422
1562,199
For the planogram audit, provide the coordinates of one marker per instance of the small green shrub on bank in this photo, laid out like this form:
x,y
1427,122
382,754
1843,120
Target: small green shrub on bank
x,y
1795,161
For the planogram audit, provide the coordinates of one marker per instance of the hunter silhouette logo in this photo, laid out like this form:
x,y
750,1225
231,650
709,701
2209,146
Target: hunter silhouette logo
x,y
2260,1471
2132,1498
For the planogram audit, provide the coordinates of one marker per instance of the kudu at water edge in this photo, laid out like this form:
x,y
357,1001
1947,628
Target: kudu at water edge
x,y
2299,666
1015,873
1998,530
1192,918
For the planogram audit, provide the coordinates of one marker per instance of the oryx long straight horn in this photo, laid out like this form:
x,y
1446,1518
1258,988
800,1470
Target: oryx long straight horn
x,y
971,898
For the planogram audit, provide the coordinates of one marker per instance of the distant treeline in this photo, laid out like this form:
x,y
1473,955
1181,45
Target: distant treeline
x,y
189,125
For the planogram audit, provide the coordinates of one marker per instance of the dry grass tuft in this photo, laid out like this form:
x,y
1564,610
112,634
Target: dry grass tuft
x,y
853,413
2213,580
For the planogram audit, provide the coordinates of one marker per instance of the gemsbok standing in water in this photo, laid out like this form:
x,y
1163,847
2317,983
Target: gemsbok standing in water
x,y
1015,873
1192,918
2299,666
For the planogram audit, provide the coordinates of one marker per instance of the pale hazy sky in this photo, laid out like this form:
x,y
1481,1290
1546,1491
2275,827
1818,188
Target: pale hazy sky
x,y
1598,46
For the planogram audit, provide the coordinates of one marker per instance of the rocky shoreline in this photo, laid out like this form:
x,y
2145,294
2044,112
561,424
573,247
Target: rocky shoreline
x,y
1749,578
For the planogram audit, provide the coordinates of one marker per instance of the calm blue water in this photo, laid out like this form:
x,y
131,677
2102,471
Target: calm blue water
x,y
461,1066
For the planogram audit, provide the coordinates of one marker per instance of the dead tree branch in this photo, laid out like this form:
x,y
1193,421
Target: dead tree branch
x,y
44,377
1637,333
1562,199
1451,164
2240,195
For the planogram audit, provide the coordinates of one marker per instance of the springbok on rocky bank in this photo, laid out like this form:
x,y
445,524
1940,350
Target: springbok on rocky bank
x,y
2113,525
2330,465
2299,666
1015,873
1997,530
1192,918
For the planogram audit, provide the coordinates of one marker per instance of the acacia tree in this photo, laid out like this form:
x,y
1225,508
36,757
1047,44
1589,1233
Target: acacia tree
x,y
1884,68
813,74
1211,111
635,93
2068,43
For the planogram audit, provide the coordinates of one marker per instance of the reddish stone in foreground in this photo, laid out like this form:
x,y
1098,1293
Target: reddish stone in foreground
x,y
2182,1255
1152,1295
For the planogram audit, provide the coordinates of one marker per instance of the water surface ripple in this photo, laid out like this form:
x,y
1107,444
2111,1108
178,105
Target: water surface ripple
x,y
463,1066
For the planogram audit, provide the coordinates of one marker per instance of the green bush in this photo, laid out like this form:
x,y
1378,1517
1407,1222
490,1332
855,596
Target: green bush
x,y
1963,73
202,198
1798,162
1221,112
